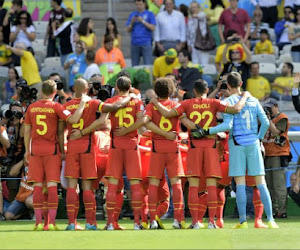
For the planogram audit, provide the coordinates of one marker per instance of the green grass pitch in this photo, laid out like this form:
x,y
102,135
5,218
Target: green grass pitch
x,y
19,235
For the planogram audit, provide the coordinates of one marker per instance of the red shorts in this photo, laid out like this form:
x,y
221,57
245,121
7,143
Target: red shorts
x,y
203,162
118,159
101,162
171,161
81,165
44,168
226,180
250,181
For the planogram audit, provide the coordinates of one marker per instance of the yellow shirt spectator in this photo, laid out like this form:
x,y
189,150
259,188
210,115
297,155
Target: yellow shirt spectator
x,y
284,82
89,40
161,68
265,47
5,55
30,68
259,87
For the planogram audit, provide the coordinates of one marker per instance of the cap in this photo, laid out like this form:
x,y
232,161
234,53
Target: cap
x,y
172,53
270,103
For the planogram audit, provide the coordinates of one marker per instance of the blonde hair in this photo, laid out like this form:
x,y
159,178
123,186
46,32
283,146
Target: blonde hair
x,y
48,87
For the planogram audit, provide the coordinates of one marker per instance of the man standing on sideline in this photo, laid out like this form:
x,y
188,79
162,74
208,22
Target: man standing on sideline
x,y
141,23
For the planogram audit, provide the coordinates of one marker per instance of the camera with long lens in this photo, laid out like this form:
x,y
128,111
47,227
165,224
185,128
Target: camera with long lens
x,y
104,92
224,84
59,84
268,111
96,85
26,92
6,113
233,40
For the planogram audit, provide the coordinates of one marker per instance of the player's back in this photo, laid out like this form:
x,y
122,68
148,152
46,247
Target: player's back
x,y
245,123
88,115
170,124
125,117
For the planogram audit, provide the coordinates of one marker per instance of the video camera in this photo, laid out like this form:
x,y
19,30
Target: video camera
x,y
59,84
26,92
268,111
104,91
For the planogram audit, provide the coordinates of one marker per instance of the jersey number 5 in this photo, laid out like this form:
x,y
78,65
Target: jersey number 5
x,y
40,122
123,114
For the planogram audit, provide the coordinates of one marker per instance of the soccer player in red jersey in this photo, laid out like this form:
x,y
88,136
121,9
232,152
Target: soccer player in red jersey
x,y
41,123
165,154
80,157
202,157
123,152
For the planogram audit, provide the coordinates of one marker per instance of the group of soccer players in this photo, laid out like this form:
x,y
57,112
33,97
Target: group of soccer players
x,y
144,142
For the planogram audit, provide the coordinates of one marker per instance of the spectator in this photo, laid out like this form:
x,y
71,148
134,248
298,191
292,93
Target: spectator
x,y
188,73
185,12
295,93
294,37
197,17
92,67
5,55
268,9
76,64
110,59
65,33
233,41
112,30
29,65
264,46
170,31
165,64
23,30
234,18
236,63
213,16
256,26
258,86
4,28
11,15
141,23
86,34
293,191
282,85
9,89
155,6
277,152
57,16
282,27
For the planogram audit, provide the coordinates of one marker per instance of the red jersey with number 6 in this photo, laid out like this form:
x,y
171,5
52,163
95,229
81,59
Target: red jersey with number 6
x,y
126,116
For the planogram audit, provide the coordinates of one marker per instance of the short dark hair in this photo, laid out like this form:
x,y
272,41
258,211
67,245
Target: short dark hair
x,y
171,0
90,56
289,7
123,83
230,33
123,73
1,3
163,87
54,74
17,2
58,1
290,66
253,63
200,86
184,52
108,39
234,79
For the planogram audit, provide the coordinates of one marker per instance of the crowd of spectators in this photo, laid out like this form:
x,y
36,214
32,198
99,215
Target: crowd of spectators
x,y
162,37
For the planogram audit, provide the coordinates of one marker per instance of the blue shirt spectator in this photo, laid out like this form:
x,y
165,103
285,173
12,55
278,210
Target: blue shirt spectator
x,y
141,23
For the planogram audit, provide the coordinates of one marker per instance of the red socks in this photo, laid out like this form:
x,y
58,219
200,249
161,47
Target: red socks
x,y
89,205
136,202
193,203
38,204
144,212
119,204
45,210
162,208
52,203
178,202
111,202
258,206
71,203
202,206
221,202
152,199
212,202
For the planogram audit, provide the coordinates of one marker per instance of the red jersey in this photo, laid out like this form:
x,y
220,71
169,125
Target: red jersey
x,y
126,116
171,124
43,117
88,115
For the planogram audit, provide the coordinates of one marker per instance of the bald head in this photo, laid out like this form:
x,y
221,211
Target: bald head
x,y
80,86
150,93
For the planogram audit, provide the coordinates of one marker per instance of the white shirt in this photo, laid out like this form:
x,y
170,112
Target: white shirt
x,y
291,3
170,27
264,3
91,70
22,37
284,38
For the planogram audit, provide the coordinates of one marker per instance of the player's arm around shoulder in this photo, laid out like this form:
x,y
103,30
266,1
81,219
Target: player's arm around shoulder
x,y
111,107
164,111
74,118
234,109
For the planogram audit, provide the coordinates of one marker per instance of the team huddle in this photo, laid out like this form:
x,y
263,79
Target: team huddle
x,y
144,142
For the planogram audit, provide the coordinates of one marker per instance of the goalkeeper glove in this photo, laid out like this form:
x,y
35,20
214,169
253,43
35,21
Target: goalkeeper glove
x,y
199,132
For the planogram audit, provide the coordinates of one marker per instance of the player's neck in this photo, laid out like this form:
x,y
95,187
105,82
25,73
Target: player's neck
x,y
202,96
78,95
236,91
123,93
163,99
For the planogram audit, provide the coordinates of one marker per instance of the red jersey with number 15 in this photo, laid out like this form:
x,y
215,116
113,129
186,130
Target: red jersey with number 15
x,y
171,124
126,116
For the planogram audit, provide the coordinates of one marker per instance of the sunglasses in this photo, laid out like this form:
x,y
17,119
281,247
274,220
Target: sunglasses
x,y
23,18
96,75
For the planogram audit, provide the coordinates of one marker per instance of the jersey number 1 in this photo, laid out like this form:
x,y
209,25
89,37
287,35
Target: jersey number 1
x,y
246,116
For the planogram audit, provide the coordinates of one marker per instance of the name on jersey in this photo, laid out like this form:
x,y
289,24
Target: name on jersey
x,y
42,110
201,106
75,106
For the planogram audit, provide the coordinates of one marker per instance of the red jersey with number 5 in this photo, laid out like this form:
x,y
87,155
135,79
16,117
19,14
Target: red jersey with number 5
x,y
171,124
126,116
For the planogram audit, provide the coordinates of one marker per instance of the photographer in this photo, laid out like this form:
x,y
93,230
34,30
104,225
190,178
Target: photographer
x,y
277,155
61,96
4,145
